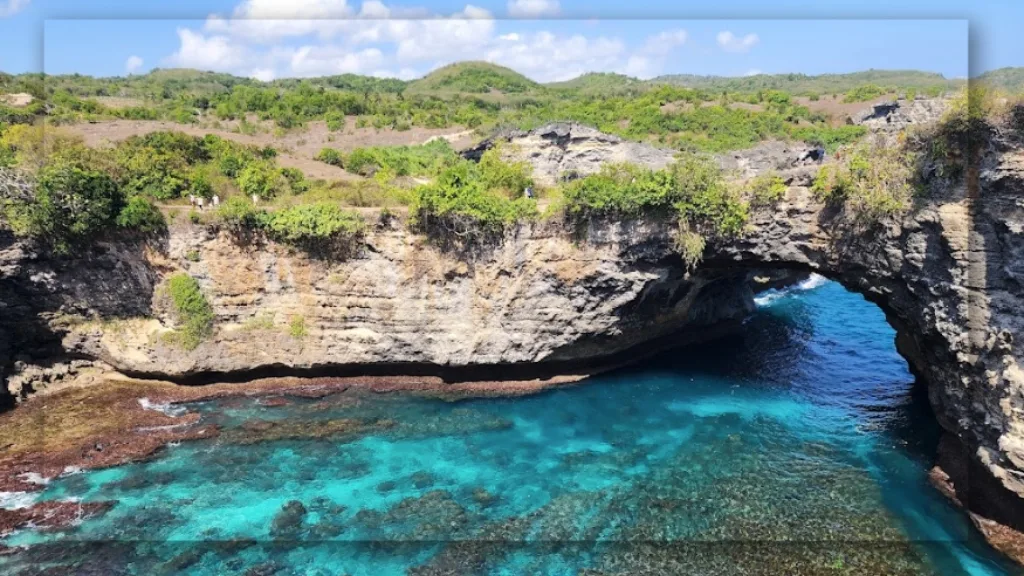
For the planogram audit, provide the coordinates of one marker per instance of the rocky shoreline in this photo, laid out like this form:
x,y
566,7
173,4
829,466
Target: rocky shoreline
x,y
113,420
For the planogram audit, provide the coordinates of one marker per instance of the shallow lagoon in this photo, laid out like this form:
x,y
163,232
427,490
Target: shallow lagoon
x,y
800,446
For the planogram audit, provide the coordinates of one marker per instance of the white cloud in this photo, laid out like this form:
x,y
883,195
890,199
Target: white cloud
x,y
207,52
262,74
548,58
12,7
533,8
133,64
330,60
463,34
732,43
662,44
269,39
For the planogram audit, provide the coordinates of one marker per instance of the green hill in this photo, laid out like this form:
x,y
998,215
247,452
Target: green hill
x,y
802,84
1009,79
473,78
600,83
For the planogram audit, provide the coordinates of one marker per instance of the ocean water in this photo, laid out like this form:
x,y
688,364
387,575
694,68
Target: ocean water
x,y
799,446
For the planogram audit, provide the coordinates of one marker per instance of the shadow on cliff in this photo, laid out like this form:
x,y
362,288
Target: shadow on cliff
x,y
995,279
42,295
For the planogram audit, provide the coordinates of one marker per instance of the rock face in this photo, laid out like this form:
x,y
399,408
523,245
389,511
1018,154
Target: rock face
x,y
565,150
895,115
949,276
535,298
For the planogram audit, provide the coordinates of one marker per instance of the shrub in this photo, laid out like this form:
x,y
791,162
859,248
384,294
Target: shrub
x,y
239,214
872,182
297,327
319,227
335,120
863,93
260,178
767,189
951,143
191,309
72,204
140,214
692,190
459,206
329,156
423,160
690,245
361,161
509,178
296,180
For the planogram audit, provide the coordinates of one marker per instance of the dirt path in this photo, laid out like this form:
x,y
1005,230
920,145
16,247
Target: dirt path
x,y
295,149
837,110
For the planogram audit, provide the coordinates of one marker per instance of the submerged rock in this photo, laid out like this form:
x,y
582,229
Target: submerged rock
x,y
288,521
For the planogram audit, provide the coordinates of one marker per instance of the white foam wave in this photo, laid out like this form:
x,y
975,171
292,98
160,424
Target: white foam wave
x,y
165,408
71,471
17,500
35,478
772,296
768,298
813,281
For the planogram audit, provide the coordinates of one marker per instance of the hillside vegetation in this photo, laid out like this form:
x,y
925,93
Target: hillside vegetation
x,y
1008,79
598,83
802,84
473,78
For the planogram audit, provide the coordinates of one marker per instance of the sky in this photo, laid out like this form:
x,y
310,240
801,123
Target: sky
x,y
548,40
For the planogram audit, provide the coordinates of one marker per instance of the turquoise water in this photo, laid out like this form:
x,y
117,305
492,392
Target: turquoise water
x,y
799,446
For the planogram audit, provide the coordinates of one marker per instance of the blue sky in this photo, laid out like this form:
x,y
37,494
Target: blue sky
x,y
545,39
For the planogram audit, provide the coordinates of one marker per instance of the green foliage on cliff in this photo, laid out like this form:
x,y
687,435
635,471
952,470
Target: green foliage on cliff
x,y
73,204
872,182
960,133
261,179
239,215
140,214
465,204
693,190
767,189
320,227
191,309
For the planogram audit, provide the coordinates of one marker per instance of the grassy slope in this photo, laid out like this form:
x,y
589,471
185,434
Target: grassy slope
x,y
1009,79
473,78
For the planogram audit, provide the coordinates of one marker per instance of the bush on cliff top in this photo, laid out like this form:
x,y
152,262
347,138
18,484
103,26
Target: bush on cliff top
x,y
870,181
321,227
192,311
71,204
461,206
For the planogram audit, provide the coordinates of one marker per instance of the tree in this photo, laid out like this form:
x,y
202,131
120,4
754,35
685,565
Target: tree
x,y
260,178
72,204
